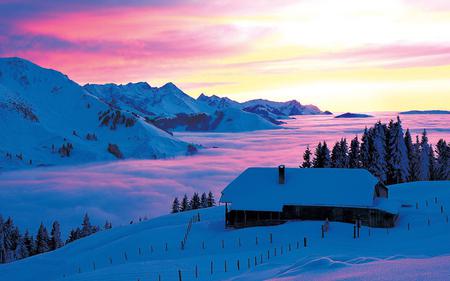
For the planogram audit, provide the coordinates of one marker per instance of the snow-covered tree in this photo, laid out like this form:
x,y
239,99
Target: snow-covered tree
x,y
185,204
204,201
377,151
211,200
424,157
364,155
175,205
306,158
55,240
29,243
195,201
74,234
354,154
86,227
443,162
413,161
433,165
108,225
21,251
2,242
398,162
42,240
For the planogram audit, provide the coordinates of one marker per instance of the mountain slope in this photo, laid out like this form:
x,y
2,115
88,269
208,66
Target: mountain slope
x,y
47,119
151,249
170,108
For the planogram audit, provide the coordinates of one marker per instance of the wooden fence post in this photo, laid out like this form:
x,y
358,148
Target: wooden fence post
x,y
408,226
179,275
256,240
354,232
442,209
139,250
159,276
322,231
270,238
223,244
305,242
281,250
261,259
238,267
110,260
126,257
211,267
429,222
275,252
417,205
225,265
196,271
93,265
256,262
167,248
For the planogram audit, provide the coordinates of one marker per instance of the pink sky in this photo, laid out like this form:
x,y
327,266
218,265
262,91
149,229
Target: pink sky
x,y
313,51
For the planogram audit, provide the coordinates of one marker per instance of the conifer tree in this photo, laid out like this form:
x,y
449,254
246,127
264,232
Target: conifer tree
x,y
195,201
377,151
108,225
204,201
175,205
433,165
42,240
29,243
55,241
318,159
307,158
185,204
424,157
364,156
2,242
412,157
354,154
398,163
21,251
211,200
86,227
326,155
443,162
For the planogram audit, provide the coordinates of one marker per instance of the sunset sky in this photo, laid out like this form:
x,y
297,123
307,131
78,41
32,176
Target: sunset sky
x,y
340,55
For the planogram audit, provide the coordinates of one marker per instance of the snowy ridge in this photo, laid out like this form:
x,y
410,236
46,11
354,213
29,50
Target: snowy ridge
x,y
171,109
151,249
47,119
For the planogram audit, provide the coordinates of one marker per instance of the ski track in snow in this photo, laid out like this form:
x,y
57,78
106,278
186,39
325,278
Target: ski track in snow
x,y
124,190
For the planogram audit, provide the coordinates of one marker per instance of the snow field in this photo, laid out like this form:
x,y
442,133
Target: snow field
x,y
138,251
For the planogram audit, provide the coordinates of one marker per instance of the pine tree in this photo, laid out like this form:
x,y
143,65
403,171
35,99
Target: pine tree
x,y
11,239
364,155
195,201
86,227
398,163
326,155
307,158
424,157
175,205
204,201
377,151
2,242
108,225
443,162
55,241
42,240
412,157
339,154
354,154
21,249
211,200
29,243
433,165
335,155
185,204
318,159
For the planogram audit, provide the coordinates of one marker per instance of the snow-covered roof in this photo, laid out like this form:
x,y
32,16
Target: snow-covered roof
x,y
258,189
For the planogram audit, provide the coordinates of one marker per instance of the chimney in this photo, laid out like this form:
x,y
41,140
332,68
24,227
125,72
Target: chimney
x,y
281,174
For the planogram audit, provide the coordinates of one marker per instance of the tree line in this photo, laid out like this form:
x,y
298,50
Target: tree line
x,y
196,202
15,246
388,153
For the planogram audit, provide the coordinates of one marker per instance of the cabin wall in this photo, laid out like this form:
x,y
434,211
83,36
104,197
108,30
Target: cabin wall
x,y
368,217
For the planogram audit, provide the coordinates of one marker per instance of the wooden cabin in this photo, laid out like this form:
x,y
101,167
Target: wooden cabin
x,y
270,196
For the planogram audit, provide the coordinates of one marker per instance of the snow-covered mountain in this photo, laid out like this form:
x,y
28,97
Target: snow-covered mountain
x,y
47,119
270,110
169,108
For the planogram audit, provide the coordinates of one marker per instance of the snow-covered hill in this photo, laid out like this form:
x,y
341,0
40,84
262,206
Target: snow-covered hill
x,y
47,119
171,109
417,248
